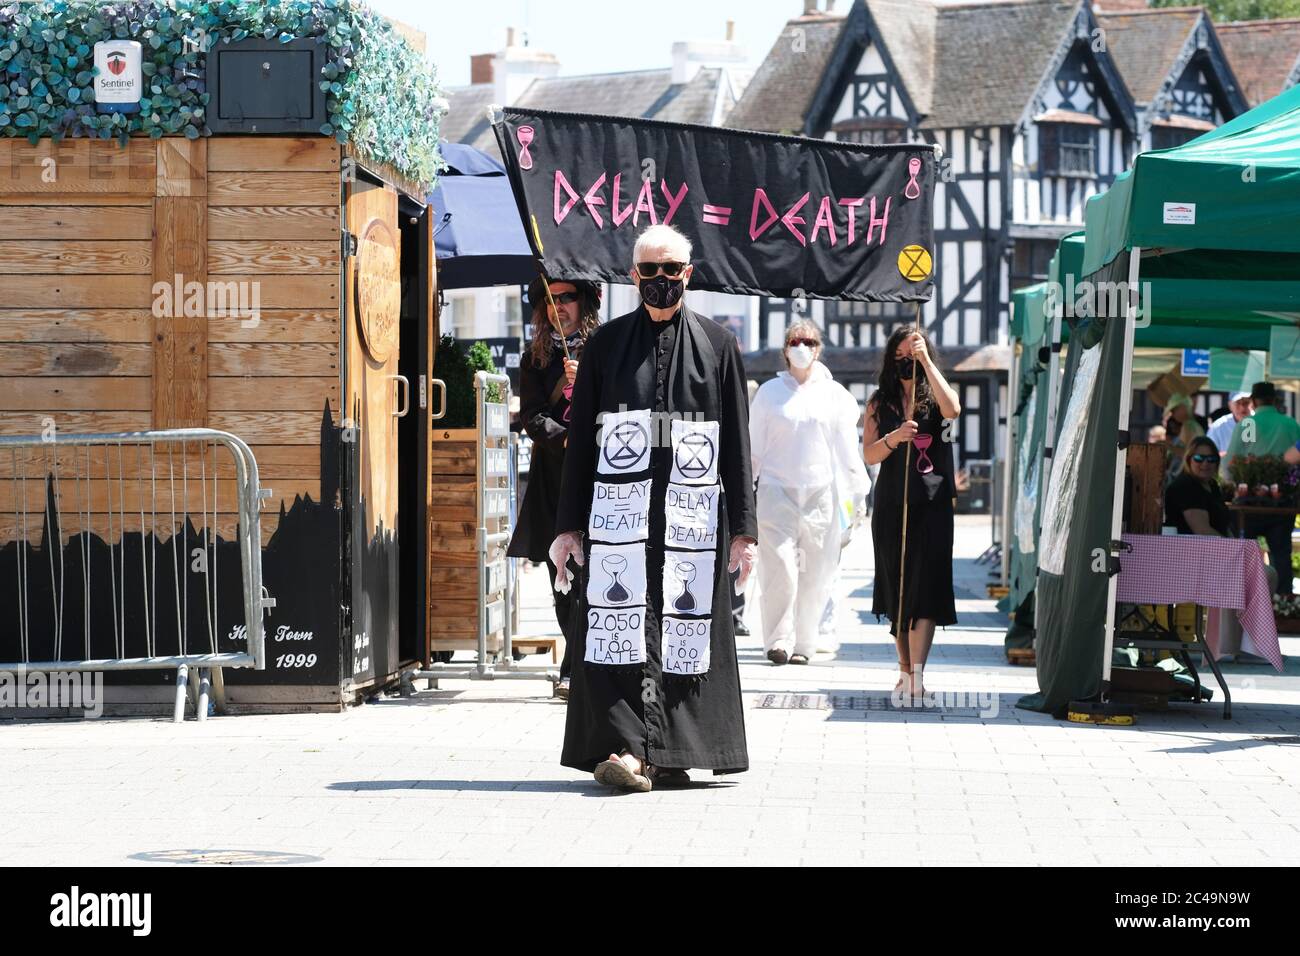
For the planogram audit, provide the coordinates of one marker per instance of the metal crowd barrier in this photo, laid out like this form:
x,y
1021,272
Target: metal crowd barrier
x,y
495,570
115,549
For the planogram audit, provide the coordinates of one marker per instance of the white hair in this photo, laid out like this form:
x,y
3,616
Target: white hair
x,y
665,238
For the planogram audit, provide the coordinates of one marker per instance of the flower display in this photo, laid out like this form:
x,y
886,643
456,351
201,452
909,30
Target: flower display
x,y
381,95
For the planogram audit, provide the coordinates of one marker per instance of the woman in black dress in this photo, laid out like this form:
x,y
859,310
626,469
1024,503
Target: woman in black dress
x,y
545,388
895,418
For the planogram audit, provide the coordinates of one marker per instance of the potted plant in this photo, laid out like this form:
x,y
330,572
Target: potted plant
x,y
1263,480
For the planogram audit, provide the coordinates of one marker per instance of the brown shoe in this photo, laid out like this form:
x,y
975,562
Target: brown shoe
x,y
777,656
798,659
617,774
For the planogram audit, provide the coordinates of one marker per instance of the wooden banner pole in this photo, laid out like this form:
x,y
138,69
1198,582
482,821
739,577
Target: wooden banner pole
x,y
907,480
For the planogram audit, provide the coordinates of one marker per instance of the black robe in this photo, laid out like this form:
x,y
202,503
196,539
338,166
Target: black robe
x,y
688,367
543,421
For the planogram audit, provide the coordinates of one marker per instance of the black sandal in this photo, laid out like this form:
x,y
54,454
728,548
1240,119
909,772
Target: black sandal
x,y
670,776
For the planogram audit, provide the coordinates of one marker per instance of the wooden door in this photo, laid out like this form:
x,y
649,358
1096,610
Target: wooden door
x,y
371,445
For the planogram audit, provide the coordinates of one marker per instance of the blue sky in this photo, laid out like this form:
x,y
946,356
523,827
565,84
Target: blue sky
x,y
589,36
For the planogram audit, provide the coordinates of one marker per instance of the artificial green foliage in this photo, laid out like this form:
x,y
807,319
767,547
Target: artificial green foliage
x,y
455,365
380,93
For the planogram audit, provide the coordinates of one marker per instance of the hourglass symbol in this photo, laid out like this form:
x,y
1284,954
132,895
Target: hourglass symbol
x,y
911,191
686,600
923,463
615,565
525,136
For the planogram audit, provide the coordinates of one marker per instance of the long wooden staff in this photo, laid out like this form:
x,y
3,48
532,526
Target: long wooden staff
x,y
552,311
907,480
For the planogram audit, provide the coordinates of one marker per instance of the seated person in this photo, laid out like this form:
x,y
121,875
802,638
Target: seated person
x,y
1193,502
1194,505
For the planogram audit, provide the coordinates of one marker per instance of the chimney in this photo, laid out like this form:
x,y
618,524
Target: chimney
x,y
480,68
514,69
809,7
690,55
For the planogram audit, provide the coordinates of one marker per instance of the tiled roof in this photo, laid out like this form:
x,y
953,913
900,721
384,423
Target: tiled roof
x,y
1264,54
642,93
466,120
961,65
778,97
989,59
1145,45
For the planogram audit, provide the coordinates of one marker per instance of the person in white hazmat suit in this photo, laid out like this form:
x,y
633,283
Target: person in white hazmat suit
x,y
804,449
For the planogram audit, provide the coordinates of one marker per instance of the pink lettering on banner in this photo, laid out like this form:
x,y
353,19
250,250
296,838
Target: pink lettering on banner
x,y
882,222
760,197
824,220
616,214
645,202
789,219
560,181
674,202
592,200
853,205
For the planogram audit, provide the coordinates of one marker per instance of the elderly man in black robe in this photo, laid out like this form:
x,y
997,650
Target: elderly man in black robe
x,y
656,508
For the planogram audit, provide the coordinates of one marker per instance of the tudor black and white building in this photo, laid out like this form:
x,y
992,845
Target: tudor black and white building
x,y
1034,112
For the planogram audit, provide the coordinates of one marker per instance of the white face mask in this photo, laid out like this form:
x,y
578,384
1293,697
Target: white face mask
x,y
801,356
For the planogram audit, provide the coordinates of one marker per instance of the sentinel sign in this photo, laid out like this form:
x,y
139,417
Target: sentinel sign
x,y
118,76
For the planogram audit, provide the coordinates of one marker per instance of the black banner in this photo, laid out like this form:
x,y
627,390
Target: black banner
x,y
767,215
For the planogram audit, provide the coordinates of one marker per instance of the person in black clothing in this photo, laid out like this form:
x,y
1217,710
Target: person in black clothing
x,y
545,388
894,418
1193,502
1194,505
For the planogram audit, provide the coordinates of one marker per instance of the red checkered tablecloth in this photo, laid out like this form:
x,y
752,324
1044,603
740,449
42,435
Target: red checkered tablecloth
x,y
1205,570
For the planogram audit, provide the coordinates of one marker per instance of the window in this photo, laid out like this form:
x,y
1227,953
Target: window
x,y
872,131
1167,137
1067,149
512,314
1030,260
865,324
460,310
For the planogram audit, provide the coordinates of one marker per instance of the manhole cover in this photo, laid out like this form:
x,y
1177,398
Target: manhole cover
x,y
227,857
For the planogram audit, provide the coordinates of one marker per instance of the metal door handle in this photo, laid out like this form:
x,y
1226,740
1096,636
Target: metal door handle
x,y
442,399
406,395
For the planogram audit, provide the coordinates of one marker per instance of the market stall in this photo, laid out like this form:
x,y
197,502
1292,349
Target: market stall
x,y
214,216
1203,231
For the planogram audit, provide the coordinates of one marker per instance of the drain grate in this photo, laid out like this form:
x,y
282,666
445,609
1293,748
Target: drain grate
x,y
880,703
792,702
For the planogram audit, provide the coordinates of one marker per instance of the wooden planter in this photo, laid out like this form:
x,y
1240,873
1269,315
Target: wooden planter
x,y
453,557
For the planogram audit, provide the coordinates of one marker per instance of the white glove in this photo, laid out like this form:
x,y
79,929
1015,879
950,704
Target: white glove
x,y
565,546
743,553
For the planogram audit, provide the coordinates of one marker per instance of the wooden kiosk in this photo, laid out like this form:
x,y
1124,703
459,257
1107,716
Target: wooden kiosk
x,y
120,258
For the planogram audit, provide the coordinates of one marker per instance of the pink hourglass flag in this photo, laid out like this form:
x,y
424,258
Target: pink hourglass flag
x,y
525,136
912,190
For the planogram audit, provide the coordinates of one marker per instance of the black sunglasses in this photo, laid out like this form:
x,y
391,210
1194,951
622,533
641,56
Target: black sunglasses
x,y
564,298
1202,459
648,270
811,343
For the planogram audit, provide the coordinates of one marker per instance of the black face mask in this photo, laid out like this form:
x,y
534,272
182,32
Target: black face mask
x,y
905,368
661,292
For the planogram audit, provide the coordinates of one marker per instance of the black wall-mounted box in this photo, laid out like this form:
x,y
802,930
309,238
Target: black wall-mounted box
x,y
264,86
